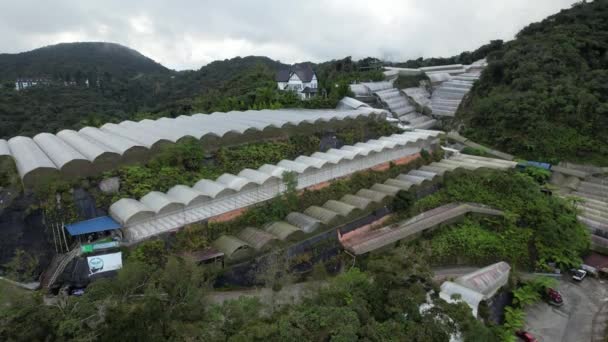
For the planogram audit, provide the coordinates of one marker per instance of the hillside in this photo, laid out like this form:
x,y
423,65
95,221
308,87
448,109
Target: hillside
x,y
132,86
73,60
544,95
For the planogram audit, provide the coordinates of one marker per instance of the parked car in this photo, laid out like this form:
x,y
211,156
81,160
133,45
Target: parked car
x,y
526,336
579,275
554,297
77,292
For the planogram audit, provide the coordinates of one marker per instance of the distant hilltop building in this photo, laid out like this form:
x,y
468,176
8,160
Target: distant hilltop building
x,y
299,78
23,83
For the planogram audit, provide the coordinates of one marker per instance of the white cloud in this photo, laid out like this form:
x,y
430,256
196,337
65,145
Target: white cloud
x,y
190,33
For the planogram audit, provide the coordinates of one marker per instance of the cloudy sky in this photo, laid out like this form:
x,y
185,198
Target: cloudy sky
x,y
186,34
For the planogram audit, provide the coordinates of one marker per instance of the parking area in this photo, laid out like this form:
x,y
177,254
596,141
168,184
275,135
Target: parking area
x,y
582,317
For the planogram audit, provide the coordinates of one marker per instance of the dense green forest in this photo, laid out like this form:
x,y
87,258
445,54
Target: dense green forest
x,y
544,95
157,297
466,57
123,84
384,297
75,61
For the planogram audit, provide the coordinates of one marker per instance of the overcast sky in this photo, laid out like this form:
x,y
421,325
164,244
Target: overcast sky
x,y
186,34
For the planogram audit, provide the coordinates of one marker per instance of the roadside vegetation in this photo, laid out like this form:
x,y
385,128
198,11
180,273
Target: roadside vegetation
x,y
537,228
164,299
528,293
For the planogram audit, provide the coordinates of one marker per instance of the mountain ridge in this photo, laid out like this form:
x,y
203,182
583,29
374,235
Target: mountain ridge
x,y
66,60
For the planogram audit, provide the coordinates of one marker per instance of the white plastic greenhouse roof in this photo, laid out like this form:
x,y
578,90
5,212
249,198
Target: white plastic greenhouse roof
x,y
486,280
235,183
129,142
187,196
350,103
212,189
32,160
160,203
4,149
368,88
206,192
470,297
127,210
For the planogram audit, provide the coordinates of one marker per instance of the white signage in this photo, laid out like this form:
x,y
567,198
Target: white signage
x,y
104,263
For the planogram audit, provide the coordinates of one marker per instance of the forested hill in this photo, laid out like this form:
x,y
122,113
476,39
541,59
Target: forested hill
x,y
123,84
77,60
544,95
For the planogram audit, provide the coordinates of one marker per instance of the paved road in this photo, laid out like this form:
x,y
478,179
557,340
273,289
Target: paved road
x,y
574,321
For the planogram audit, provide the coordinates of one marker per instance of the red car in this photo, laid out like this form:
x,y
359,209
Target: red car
x,y
526,336
554,297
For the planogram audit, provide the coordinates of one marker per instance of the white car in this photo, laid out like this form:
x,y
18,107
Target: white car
x,y
579,275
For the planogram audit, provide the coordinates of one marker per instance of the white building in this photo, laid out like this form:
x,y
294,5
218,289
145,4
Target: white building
x,y
24,83
299,78
477,286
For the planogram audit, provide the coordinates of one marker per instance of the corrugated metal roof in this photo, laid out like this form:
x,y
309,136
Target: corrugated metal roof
x,y
98,224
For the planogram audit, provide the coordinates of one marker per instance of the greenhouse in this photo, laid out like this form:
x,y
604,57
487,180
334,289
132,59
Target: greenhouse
x,y
232,247
344,209
127,210
33,164
486,280
284,231
359,202
208,198
94,150
161,203
305,223
324,215
470,297
256,238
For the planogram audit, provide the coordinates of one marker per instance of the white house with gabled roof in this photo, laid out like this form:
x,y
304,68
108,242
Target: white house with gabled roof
x,y
299,78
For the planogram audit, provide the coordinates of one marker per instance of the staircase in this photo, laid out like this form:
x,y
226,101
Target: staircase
x,y
58,265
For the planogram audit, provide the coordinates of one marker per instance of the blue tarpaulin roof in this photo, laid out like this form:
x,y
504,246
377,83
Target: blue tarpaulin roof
x,y
98,224
545,166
